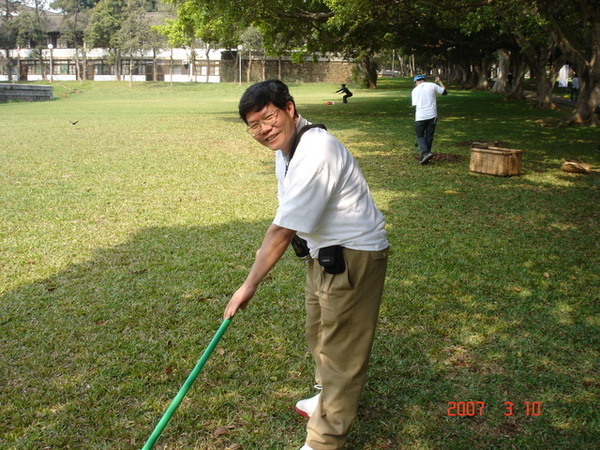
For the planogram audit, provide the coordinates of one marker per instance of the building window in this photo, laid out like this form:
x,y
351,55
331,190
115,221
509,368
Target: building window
x,y
104,69
137,70
180,69
212,67
63,68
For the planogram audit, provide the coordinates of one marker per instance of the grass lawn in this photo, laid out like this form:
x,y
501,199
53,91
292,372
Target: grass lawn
x,y
123,236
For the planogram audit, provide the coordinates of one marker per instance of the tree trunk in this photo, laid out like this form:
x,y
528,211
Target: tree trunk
x,y
77,65
545,61
483,69
249,68
9,65
171,64
585,57
367,70
459,74
402,71
84,70
589,96
42,66
588,70
192,63
154,66
544,84
503,70
207,50
130,70
118,65
519,68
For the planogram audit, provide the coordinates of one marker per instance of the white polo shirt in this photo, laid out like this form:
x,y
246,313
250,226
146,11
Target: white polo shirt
x,y
325,197
424,98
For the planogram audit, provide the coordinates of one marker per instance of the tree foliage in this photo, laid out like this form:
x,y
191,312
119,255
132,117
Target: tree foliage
x,y
460,39
105,22
461,35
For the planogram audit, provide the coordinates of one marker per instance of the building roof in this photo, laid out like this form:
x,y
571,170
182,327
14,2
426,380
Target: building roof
x,y
53,21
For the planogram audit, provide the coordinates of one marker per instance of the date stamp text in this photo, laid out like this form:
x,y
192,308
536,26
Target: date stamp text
x,y
471,409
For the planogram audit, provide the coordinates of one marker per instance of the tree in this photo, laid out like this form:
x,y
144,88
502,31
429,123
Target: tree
x,y
8,32
252,41
31,30
461,36
135,34
575,25
102,31
223,22
75,21
521,24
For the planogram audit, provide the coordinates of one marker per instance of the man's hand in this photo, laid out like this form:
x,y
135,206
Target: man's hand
x,y
274,244
239,300
439,82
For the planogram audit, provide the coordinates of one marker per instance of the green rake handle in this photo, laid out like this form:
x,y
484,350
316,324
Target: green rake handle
x,y
186,386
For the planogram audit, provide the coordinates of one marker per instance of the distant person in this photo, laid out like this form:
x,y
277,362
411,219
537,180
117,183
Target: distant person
x,y
424,99
510,77
575,88
346,92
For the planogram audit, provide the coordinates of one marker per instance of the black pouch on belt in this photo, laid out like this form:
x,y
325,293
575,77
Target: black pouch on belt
x,y
332,259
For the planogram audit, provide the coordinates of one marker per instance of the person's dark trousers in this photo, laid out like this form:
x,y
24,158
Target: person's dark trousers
x,y
425,130
574,94
346,97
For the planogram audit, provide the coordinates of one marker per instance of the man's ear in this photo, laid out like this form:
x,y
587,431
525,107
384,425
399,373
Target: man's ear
x,y
290,109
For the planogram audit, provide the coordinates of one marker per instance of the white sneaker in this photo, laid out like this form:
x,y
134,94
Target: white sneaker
x,y
307,407
306,447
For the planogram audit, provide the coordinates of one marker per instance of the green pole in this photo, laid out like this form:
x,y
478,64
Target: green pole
x,y
186,386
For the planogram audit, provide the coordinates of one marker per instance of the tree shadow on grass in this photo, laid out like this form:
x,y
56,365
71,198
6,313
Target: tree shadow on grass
x,y
93,355
492,296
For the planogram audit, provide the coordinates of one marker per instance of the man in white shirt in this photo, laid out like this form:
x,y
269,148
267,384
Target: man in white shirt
x,y
325,200
424,100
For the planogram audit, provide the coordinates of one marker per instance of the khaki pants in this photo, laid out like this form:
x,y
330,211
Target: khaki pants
x,y
341,317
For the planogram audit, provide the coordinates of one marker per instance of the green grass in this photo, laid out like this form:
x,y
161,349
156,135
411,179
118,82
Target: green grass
x,y
123,236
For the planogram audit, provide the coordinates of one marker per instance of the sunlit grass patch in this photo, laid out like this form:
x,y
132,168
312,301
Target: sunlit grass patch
x,y
124,235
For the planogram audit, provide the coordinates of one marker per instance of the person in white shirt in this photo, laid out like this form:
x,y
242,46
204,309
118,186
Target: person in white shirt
x,y
323,199
575,88
424,99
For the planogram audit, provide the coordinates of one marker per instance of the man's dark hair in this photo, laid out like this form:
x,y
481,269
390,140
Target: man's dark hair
x,y
258,95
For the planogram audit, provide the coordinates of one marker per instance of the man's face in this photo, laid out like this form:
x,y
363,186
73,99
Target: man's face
x,y
279,128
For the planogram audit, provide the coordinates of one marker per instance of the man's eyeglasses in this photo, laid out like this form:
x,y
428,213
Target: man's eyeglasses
x,y
269,120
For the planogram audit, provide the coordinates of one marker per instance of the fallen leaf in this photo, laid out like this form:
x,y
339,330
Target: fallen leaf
x,y
546,274
169,370
516,289
223,430
220,351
